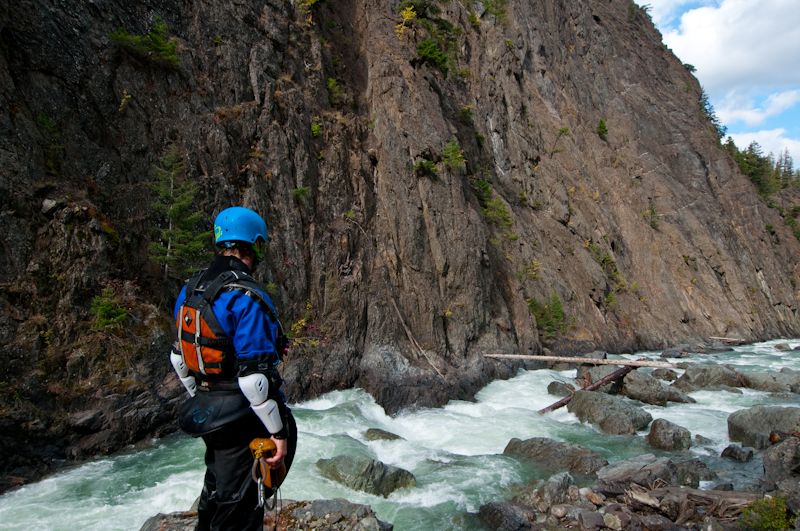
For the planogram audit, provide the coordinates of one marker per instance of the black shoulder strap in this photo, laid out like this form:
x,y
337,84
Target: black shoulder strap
x,y
192,283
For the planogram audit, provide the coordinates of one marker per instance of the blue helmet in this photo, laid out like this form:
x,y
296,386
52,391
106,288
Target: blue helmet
x,y
239,224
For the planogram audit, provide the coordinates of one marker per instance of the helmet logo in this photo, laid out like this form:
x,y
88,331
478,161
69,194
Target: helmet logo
x,y
217,232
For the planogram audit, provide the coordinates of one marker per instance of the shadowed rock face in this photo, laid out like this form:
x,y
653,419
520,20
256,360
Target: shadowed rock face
x,y
366,249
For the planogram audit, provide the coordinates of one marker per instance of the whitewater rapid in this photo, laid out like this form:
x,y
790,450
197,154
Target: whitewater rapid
x,y
455,452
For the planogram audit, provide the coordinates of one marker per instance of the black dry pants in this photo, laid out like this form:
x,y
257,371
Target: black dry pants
x,y
229,500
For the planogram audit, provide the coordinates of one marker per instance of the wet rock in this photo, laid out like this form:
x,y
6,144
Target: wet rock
x,y
560,389
643,470
504,516
675,353
692,472
786,380
368,475
665,374
665,435
676,395
375,434
643,387
702,440
617,424
725,487
561,456
591,373
782,461
737,453
704,376
784,347
752,426
594,407
548,493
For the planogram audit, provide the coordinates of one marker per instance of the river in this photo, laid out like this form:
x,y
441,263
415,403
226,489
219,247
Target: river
x,y
455,452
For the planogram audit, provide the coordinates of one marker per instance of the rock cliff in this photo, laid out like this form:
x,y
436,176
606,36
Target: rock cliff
x,y
397,263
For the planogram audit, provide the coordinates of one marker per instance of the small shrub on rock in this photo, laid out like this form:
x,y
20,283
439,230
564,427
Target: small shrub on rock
x,y
766,514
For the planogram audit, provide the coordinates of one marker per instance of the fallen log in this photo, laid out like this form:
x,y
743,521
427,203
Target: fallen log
x,y
593,361
680,503
591,387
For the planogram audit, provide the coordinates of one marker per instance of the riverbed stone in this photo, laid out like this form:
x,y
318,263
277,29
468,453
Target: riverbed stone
x,y
752,426
666,435
554,455
643,470
738,453
362,473
784,347
594,407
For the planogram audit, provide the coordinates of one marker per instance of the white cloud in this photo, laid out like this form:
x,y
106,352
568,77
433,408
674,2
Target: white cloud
x,y
773,140
739,45
665,12
736,107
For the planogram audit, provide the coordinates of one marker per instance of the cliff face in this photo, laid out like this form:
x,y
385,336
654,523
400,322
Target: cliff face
x,y
397,278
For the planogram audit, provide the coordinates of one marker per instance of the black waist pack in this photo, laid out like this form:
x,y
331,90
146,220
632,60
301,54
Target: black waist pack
x,y
208,411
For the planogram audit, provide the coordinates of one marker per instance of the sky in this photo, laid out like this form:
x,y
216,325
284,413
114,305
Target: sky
x,y
747,56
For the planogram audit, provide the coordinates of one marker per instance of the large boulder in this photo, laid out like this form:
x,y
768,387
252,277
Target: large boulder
x,y
676,395
772,381
362,473
642,470
644,388
704,376
594,407
782,461
665,435
752,426
589,374
560,389
557,456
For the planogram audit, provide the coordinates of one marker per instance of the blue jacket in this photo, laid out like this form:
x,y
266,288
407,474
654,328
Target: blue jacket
x,y
244,321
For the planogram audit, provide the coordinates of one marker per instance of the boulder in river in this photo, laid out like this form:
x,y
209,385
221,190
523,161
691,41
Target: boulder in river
x,y
665,435
643,470
591,373
738,453
703,376
376,434
752,426
644,388
560,389
594,407
560,456
773,381
784,347
362,473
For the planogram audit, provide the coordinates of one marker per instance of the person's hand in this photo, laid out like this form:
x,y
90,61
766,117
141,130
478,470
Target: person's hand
x,y
276,461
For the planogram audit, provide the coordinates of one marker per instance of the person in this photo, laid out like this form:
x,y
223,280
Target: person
x,y
229,344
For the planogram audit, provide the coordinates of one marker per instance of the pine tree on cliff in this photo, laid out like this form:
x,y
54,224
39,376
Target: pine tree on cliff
x,y
178,247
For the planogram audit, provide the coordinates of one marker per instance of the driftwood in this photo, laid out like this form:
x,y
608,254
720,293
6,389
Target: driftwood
x,y
591,387
680,503
593,361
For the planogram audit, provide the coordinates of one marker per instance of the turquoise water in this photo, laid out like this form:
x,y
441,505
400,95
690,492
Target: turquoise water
x,y
454,452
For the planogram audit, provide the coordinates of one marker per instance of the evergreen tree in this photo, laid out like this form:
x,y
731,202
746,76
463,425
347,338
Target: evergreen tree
x,y
178,247
759,168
